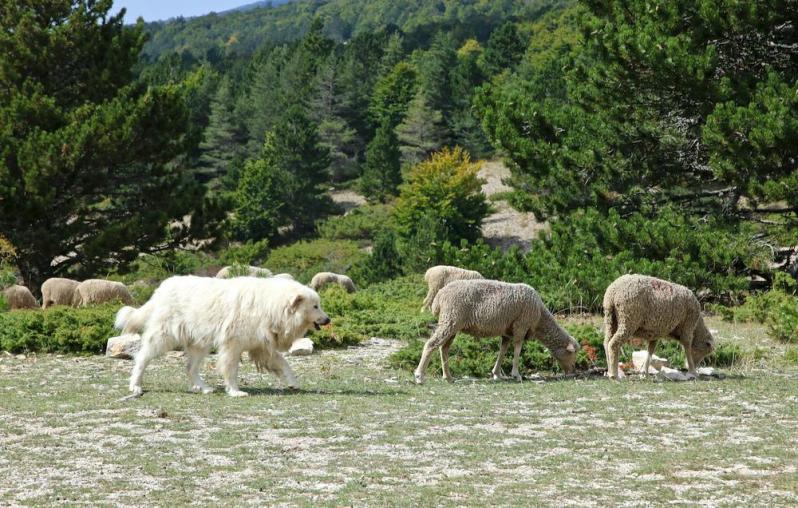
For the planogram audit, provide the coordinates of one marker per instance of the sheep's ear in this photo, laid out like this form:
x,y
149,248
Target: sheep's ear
x,y
296,301
570,347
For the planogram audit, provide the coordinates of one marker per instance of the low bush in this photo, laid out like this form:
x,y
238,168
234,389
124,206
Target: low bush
x,y
777,308
360,224
305,259
57,330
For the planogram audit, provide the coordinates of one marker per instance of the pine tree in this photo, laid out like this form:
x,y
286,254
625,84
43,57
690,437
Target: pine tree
x,y
421,132
90,174
392,95
504,49
223,139
382,169
260,205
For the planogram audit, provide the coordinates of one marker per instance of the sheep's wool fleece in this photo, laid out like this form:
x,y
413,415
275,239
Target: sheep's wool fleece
x,y
19,297
95,291
487,308
649,305
58,291
321,279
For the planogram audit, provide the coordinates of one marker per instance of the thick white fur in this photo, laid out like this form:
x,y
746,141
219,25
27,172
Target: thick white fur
x,y
260,315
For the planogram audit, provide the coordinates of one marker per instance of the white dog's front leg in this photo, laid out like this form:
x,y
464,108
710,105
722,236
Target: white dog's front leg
x,y
280,367
229,358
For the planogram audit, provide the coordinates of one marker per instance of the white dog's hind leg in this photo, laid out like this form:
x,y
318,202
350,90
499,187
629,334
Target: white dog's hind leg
x,y
195,357
229,358
147,352
280,367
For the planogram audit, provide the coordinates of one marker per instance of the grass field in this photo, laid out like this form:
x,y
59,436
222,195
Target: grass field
x,y
359,433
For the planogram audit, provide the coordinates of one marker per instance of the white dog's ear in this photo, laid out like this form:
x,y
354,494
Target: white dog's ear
x,y
296,301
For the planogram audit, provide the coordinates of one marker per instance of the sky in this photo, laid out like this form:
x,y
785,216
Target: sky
x,y
155,10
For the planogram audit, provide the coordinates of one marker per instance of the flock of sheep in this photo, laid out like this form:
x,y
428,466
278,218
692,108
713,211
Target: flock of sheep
x,y
635,306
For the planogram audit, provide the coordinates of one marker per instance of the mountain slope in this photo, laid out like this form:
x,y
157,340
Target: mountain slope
x,y
246,28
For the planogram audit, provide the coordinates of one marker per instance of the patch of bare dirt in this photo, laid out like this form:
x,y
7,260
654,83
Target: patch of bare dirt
x,y
347,199
506,226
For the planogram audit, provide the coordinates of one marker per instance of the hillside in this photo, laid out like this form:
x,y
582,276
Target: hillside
x,y
245,29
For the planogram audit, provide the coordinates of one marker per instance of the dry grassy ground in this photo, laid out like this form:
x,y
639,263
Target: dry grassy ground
x,y
360,433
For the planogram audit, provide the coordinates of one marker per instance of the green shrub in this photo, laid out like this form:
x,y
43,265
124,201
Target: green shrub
x,y
248,253
3,303
58,330
305,259
791,355
585,252
389,309
782,320
362,223
382,264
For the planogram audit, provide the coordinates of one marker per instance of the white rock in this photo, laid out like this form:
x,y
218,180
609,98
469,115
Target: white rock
x,y
301,347
123,347
672,374
621,373
704,372
639,361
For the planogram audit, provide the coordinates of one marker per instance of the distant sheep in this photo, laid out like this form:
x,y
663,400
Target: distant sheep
x,y
488,308
649,308
58,291
19,297
438,276
321,279
96,291
240,271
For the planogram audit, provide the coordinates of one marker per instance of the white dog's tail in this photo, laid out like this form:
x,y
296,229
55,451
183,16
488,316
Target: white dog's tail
x,y
131,320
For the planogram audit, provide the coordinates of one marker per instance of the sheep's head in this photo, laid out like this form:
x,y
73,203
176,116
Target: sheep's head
x,y
566,355
703,343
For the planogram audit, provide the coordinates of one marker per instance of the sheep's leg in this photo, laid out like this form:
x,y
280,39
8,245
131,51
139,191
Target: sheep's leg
x,y
447,375
229,358
428,299
687,344
497,371
518,343
150,348
612,349
195,357
652,346
443,333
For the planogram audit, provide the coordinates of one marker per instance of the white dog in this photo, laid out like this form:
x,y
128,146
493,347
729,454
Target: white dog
x,y
262,316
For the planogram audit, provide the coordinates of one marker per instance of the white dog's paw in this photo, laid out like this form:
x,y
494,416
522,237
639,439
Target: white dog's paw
x,y
419,378
136,391
201,389
237,393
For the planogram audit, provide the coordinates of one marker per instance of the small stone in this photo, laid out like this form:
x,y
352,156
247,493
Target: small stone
x,y
301,347
123,347
709,372
21,357
639,361
672,374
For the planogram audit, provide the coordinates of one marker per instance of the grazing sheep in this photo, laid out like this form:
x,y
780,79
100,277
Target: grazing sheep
x,y
241,271
487,308
58,291
649,308
96,291
321,279
438,276
19,297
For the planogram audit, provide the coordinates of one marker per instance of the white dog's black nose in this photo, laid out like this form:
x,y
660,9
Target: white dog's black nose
x,y
325,321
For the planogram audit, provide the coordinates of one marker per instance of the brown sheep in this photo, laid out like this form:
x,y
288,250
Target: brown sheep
x,y
19,297
58,291
649,308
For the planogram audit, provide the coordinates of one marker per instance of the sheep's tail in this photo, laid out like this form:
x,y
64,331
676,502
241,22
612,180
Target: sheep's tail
x,y
131,320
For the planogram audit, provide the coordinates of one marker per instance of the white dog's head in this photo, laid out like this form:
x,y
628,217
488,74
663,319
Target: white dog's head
x,y
306,307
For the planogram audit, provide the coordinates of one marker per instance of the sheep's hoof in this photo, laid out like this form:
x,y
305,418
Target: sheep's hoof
x,y
449,379
517,377
419,378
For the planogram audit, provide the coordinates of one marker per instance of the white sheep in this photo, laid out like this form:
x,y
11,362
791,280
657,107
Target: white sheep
x,y
649,308
96,291
321,279
240,271
438,276
58,291
19,297
284,276
488,308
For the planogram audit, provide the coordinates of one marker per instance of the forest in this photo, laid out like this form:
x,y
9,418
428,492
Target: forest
x,y
650,138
